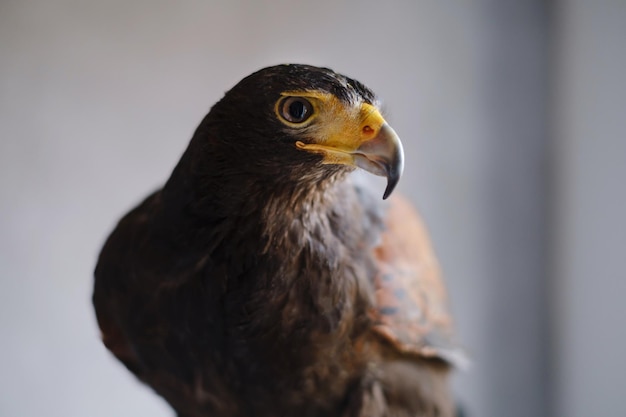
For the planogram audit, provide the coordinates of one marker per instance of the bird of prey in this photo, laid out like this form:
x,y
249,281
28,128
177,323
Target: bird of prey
x,y
263,279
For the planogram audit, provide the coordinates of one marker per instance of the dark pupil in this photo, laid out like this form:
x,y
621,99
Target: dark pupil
x,y
297,110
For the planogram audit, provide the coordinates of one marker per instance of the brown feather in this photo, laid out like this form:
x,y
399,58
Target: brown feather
x,y
411,302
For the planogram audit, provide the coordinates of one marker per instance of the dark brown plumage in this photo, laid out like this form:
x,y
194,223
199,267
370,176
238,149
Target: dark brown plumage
x,y
263,280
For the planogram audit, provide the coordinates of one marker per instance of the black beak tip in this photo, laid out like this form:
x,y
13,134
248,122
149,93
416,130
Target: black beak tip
x,y
392,181
388,191
394,172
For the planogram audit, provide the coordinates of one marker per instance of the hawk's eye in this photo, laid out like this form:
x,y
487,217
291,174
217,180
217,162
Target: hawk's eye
x,y
295,109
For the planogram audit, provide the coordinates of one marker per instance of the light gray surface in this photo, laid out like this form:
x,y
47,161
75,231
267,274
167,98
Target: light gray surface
x,y
589,216
98,101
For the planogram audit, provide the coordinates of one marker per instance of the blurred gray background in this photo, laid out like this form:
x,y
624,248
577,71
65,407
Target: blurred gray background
x,y
513,114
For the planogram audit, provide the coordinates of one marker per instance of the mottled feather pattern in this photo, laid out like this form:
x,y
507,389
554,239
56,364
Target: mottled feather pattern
x,y
411,300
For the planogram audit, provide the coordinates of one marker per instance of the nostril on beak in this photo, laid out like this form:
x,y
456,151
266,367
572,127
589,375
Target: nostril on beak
x,y
367,130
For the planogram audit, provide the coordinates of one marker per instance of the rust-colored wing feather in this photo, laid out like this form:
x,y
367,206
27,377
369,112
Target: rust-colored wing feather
x,y
412,309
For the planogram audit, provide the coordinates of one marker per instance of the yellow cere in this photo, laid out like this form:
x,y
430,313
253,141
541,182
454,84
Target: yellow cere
x,y
335,129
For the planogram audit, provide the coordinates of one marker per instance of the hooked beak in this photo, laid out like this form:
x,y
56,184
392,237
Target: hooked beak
x,y
367,142
382,155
